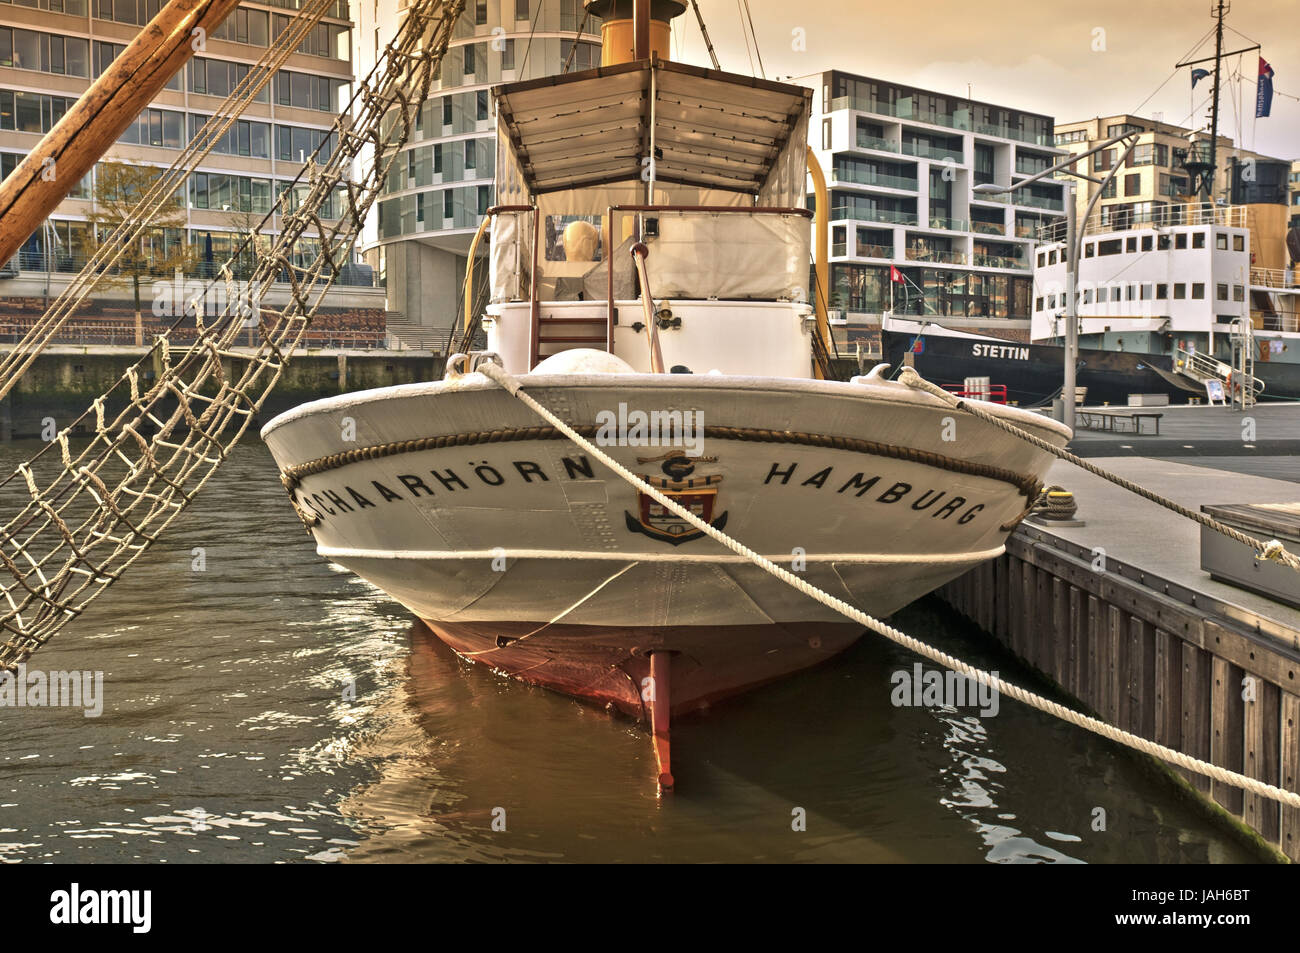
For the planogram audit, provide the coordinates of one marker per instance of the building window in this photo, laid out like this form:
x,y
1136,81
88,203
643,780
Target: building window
x,y
481,104
471,153
437,158
826,134
1198,291
446,110
480,12
484,198
470,62
521,9
448,206
1133,184
508,55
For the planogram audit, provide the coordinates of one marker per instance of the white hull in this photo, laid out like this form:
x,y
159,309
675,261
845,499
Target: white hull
x,y
513,532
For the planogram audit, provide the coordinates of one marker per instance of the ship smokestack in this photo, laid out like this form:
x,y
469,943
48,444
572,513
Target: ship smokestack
x,y
634,29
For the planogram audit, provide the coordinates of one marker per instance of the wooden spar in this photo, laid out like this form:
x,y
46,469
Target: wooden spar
x,y
69,150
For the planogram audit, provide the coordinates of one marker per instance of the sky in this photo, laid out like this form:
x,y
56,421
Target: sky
x,y
1068,61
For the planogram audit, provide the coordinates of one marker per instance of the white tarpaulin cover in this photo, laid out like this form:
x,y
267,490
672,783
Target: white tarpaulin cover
x,y
729,256
512,255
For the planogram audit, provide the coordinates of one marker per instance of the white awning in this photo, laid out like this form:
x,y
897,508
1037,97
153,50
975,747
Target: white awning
x,y
707,128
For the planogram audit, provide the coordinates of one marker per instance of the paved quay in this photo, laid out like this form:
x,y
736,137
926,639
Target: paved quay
x,y
1152,538
1264,430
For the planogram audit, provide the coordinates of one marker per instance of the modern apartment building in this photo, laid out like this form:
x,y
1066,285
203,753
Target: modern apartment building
x,y
51,50
901,164
1156,175
442,184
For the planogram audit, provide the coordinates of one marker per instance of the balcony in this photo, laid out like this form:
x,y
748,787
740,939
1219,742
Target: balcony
x,y
1034,201
876,251
883,215
1019,135
988,228
1000,261
925,151
948,224
903,109
936,256
867,177
865,141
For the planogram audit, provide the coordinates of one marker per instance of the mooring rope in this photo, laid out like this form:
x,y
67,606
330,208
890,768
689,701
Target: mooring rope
x,y
1266,550
512,386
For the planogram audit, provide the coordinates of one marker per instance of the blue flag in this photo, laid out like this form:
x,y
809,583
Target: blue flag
x,y
1264,92
1198,75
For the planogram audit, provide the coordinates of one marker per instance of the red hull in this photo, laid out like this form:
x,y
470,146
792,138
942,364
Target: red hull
x,y
611,666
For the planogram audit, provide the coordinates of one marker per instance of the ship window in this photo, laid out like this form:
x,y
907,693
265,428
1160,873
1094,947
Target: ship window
x,y
1198,290
1089,249
1038,304
1198,240
1051,257
1146,242
1222,291
1146,291
1116,292
1180,240
1180,291
1221,242
1112,247
1132,244
1162,242
1132,293
1087,296
1238,293
1162,292
1051,301
1238,242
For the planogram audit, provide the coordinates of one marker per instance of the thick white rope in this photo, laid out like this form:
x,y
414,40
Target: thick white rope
x,y
1096,726
1271,550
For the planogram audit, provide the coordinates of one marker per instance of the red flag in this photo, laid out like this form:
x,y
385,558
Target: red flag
x,y
895,274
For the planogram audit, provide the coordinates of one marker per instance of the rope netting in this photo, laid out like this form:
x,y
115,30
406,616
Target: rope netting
x,y
87,512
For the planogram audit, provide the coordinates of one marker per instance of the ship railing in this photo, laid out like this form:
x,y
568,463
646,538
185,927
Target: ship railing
x,y
1166,216
1273,277
994,393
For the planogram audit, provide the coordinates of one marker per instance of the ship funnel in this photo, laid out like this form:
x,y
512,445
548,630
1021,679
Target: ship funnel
x,y
619,22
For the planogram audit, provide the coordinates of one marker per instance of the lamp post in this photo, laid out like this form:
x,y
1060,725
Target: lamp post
x,y
1072,242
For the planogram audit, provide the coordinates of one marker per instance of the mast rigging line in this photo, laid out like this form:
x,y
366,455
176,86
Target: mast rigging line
x,y
704,32
17,361
79,531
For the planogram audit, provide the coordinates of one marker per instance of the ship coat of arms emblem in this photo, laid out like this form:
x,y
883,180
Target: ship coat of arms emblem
x,y
698,494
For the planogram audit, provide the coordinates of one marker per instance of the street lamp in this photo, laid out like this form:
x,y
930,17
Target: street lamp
x,y
1073,242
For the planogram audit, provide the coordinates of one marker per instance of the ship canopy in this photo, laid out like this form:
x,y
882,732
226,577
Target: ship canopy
x,y
717,138
578,147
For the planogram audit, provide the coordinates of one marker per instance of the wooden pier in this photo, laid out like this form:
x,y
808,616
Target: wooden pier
x,y
1193,664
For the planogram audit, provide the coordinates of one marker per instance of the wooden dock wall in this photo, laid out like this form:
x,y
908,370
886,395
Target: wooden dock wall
x,y
1153,665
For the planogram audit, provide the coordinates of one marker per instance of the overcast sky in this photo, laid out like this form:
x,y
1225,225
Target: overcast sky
x,y
1038,56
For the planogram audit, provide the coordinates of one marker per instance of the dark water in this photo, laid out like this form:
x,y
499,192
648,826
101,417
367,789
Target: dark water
x,y
229,733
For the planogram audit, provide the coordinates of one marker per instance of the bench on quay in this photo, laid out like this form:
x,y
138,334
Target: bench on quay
x,y
1120,421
